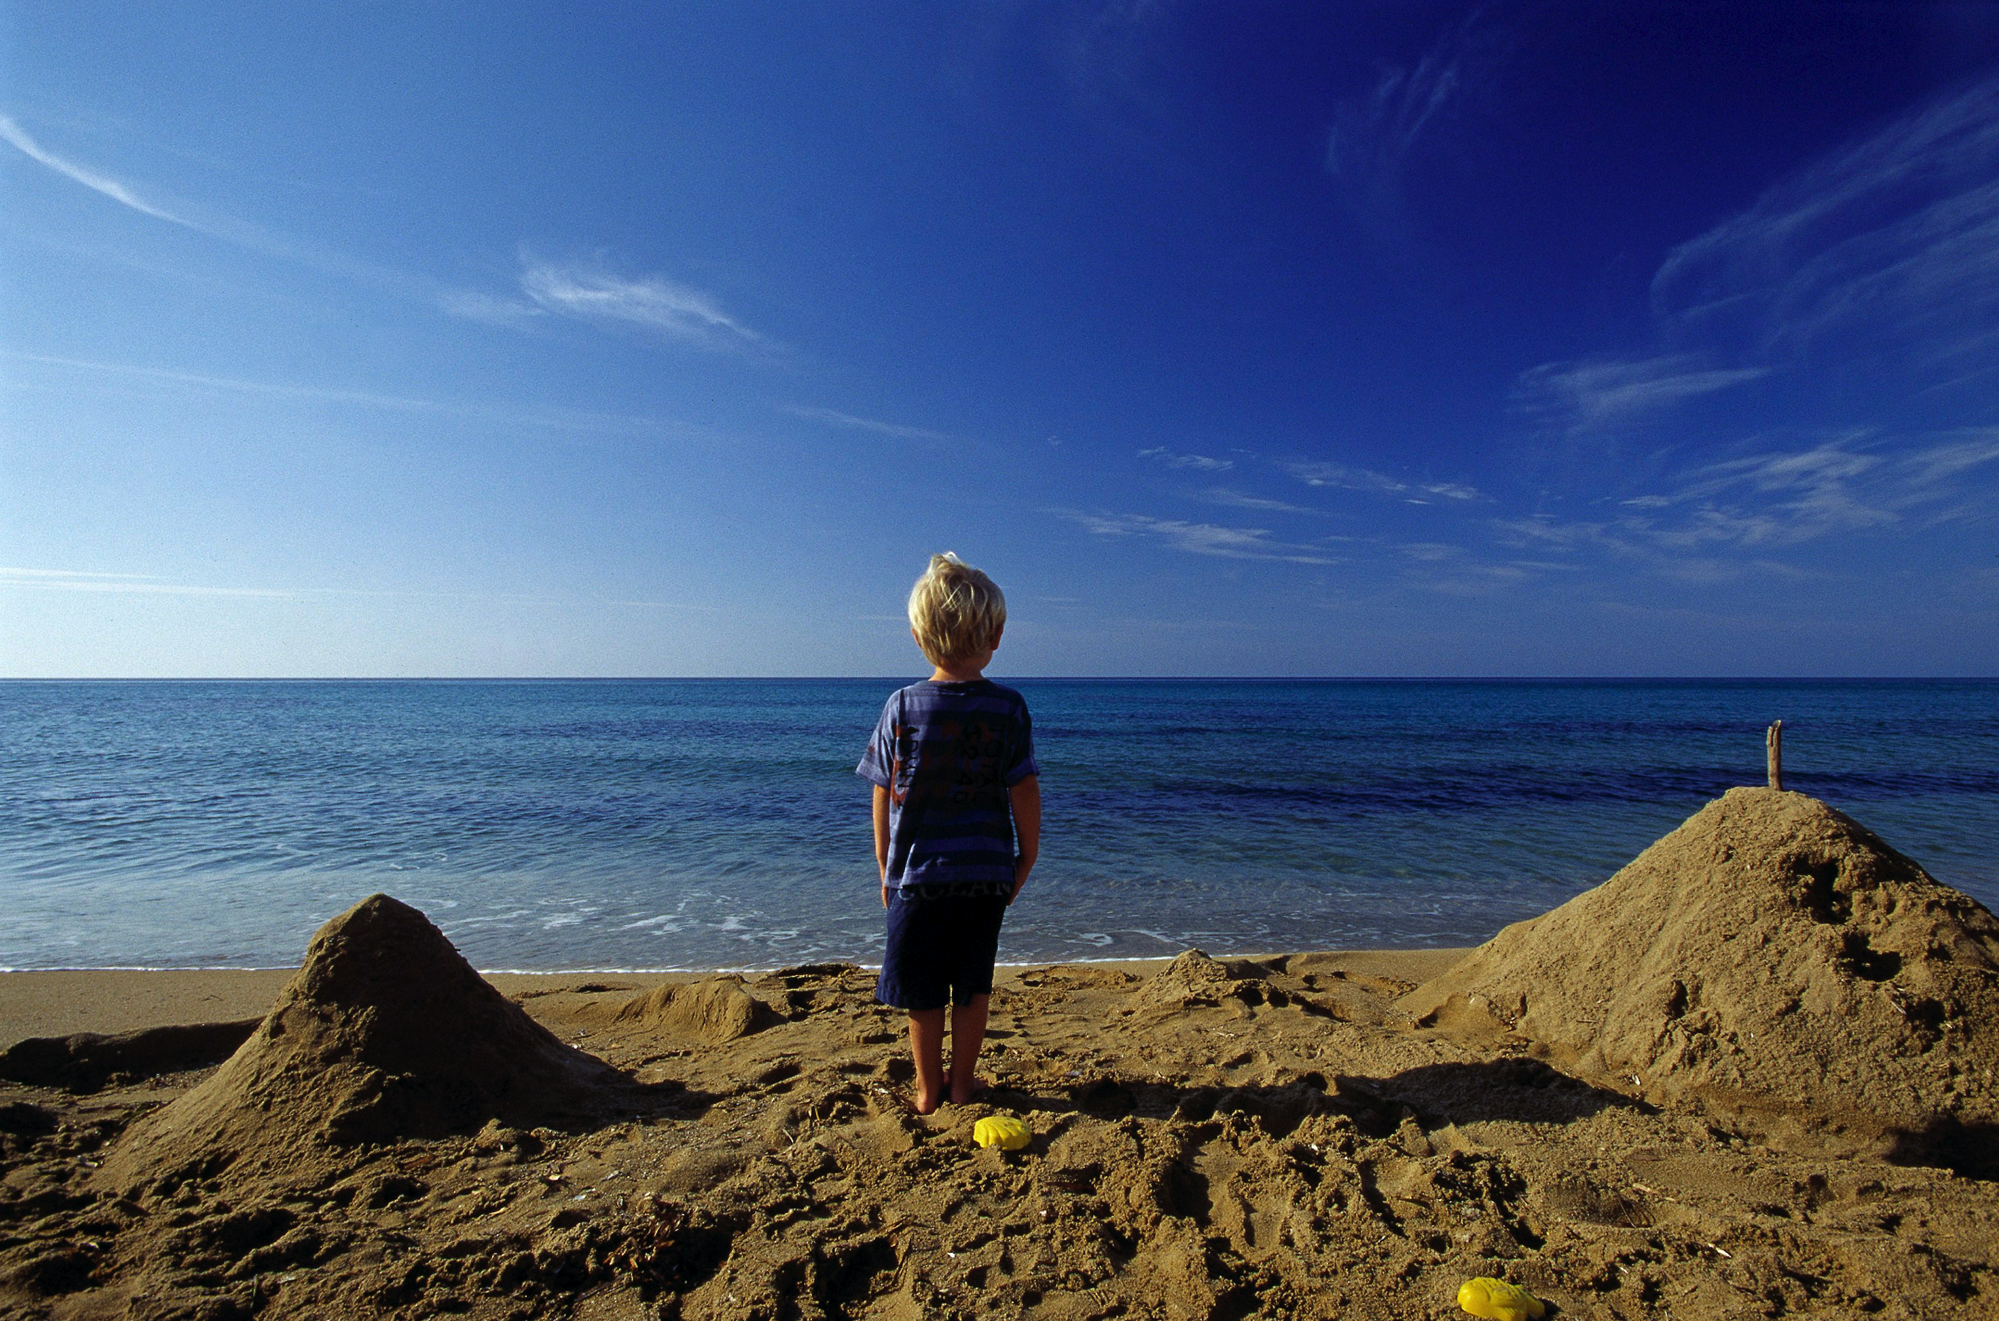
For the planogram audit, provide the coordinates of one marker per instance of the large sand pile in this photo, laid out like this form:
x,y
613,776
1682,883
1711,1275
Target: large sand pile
x,y
385,1033
1772,954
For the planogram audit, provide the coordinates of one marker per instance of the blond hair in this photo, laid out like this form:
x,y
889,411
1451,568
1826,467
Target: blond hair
x,y
955,610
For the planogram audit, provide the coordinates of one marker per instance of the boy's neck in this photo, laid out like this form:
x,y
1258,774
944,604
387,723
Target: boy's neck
x,y
969,670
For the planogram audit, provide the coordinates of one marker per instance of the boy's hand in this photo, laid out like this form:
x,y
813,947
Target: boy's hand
x,y
880,813
1025,798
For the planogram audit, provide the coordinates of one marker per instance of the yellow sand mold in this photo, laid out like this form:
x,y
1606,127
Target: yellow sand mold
x,y
1496,1300
1002,1131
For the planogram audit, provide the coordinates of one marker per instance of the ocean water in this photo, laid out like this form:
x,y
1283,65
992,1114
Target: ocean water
x,y
718,823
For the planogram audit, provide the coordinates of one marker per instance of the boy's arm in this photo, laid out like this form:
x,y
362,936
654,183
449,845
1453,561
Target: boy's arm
x,y
881,839
1026,797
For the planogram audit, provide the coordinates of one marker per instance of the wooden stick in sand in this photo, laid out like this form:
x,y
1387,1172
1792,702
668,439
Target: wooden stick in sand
x,y
1773,745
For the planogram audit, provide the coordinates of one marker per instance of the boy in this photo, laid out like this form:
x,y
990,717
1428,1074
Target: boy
x,y
957,810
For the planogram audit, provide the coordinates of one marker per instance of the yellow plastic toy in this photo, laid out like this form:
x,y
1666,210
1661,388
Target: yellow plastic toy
x,y
1002,1131
1496,1300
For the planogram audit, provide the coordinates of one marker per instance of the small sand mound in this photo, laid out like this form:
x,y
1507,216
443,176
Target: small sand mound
x,y
1770,953
718,1009
86,1061
385,1033
1194,979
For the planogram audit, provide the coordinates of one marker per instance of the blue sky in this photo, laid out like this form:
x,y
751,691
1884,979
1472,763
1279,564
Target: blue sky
x,y
1398,338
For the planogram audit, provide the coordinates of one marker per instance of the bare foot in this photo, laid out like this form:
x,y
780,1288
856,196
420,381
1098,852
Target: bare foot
x,y
972,1091
927,1102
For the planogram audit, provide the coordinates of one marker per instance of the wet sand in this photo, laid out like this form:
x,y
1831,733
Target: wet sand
x,y
56,1004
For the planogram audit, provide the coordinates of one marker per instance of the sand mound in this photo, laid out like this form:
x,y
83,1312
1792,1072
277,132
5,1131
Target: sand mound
x,y
86,1061
1196,980
717,1009
385,1033
1771,952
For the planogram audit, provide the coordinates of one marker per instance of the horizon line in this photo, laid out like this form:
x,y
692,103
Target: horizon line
x,y
1015,678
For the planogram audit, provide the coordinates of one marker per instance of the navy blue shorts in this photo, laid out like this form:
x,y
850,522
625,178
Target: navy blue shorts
x,y
940,951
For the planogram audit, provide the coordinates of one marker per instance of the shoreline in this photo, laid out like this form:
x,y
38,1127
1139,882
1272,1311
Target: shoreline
x,y
63,1002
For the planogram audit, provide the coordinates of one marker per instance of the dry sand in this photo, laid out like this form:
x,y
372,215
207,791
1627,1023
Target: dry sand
x,y
1307,1135
1773,960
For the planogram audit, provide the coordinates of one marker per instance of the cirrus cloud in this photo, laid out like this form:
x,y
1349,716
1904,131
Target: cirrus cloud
x,y
1201,462
17,137
590,291
1231,543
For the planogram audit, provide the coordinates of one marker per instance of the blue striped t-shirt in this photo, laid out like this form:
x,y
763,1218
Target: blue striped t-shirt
x,y
948,753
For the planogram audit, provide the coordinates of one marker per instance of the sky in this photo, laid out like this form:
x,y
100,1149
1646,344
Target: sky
x,y
1240,338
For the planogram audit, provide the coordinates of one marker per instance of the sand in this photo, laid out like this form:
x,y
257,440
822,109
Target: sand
x,y
1309,1135
385,1033
1772,960
57,1004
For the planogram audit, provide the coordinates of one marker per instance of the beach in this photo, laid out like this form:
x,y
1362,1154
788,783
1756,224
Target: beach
x,y
1402,599
1300,1135
57,1004
1304,1158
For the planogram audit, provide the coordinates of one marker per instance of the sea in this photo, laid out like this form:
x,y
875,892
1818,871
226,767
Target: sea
x,y
697,824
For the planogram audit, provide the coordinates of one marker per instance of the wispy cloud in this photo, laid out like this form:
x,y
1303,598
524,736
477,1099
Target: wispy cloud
x,y
518,415
80,580
1232,543
1893,240
255,238
1234,499
1455,571
1584,396
586,290
590,291
1881,255
1343,477
670,305
148,584
1430,552
1161,454
849,422
1349,479
1371,134
1934,467
1792,496
18,138
1717,514
1374,135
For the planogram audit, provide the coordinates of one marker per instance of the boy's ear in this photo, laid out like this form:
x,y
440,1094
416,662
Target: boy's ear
x,y
998,633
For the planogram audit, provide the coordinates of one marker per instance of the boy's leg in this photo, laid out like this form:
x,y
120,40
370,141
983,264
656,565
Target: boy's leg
x,y
926,1042
911,977
968,1034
